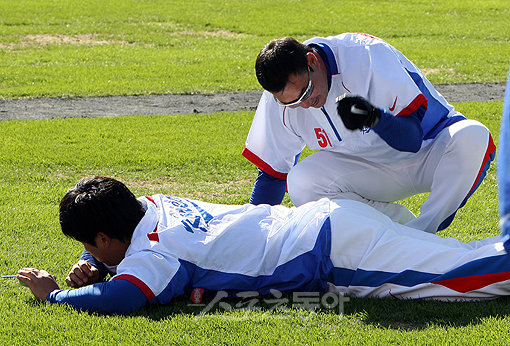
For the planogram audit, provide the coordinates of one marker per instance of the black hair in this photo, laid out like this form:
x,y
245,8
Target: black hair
x,y
278,60
99,204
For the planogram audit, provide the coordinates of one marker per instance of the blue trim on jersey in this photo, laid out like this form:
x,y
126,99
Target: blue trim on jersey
x,y
307,272
178,285
483,173
331,123
115,296
436,117
372,278
341,276
504,165
328,58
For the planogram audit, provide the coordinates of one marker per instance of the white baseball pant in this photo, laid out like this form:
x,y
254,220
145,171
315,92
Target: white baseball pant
x,y
373,256
450,168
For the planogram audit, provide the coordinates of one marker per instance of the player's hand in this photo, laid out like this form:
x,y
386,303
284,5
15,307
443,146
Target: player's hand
x,y
356,112
82,274
40,282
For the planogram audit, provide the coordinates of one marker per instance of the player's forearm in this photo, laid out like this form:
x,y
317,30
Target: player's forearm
x,y
115,296
268,189
401,133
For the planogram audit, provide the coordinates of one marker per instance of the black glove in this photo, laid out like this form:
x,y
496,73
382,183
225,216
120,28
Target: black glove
x,y
356,112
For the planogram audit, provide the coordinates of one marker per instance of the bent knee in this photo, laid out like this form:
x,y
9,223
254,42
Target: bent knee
x,y
302,185
470,133
469,139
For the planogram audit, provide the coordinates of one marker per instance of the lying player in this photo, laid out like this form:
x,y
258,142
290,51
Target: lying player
x,y
162,247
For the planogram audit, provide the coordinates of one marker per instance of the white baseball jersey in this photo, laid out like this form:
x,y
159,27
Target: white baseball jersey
x,y
359,64
183,244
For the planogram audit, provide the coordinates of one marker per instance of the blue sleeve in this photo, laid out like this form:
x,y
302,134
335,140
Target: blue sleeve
x,y
86,256
401,133
268,189
115,296
504,168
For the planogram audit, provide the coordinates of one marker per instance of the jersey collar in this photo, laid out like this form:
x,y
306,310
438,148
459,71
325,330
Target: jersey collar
x,y
328,58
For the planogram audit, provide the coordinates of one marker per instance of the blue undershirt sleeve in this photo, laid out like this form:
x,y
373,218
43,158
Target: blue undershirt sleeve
x,y
268,189
115,296
401,133
87,256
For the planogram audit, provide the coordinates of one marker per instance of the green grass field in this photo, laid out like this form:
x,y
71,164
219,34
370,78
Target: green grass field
x,y
40,160
73,48
55,48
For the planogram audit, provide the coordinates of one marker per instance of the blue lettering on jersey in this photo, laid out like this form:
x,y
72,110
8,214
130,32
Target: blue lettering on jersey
x,y
189,226
194,218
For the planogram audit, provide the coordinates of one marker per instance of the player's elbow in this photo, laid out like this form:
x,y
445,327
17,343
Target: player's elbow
x,y
415,144
123,309
122,297
414,147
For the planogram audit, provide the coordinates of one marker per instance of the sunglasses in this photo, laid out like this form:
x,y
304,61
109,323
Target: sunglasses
x,y
306,94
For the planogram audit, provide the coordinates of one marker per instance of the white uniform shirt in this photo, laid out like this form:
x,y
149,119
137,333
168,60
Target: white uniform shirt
x,y
182,244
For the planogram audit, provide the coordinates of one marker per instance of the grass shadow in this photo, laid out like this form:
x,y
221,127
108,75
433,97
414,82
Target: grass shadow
x,y
421,314
382,313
